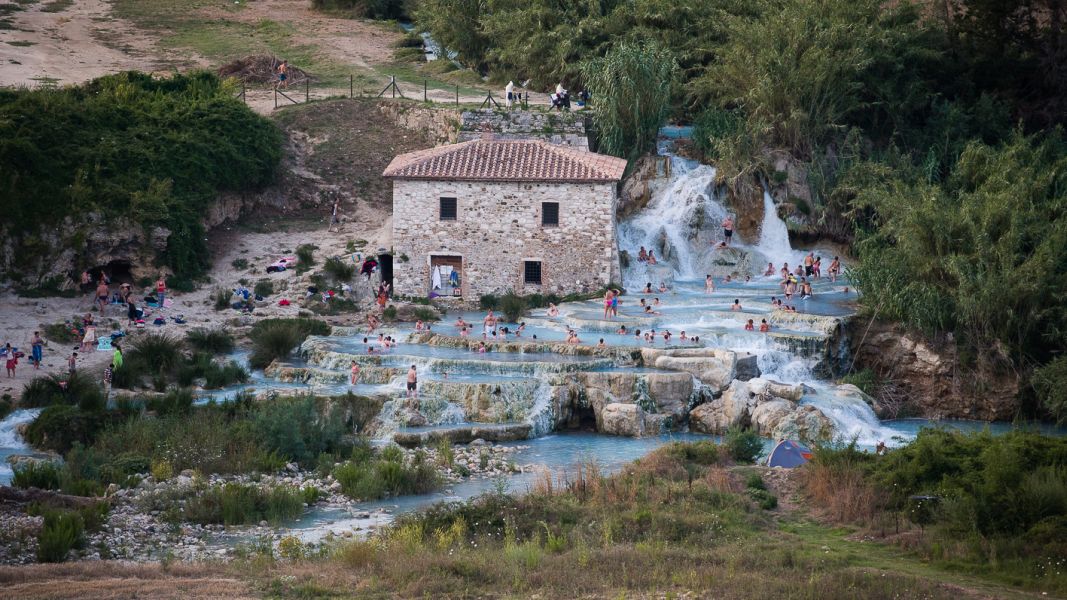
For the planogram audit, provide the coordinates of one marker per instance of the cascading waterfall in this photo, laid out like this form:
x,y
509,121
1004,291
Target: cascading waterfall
x,y
676,224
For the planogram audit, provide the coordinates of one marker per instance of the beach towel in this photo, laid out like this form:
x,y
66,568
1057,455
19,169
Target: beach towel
x,y
103,343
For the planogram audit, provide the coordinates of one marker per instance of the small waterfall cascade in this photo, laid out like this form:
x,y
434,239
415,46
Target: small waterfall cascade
x,y
10,440
774,235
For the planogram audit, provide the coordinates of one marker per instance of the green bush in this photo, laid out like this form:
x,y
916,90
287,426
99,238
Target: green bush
x,y
79,389
340,270
305,254
240,264
489,302
374,477
214,341
153,149
368,9
159,351
512,306
263,288
865,380
6,406
58,427
763,498
1050,382
37,474
276,338
241,504
425,314
62,531
744,445
64,333
296,429
221,298
389,314
175,402
219,376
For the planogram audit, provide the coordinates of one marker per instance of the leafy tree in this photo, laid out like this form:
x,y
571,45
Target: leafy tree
x,y
631,88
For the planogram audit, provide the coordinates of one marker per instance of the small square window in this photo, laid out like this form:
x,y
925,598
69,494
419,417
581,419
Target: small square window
x,y
448,209
531,271
550,214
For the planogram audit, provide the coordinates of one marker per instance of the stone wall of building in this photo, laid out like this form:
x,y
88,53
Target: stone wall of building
x,y
565,129
498,227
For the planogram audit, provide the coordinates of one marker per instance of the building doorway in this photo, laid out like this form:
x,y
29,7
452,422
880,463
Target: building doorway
x,y
385,265
446,276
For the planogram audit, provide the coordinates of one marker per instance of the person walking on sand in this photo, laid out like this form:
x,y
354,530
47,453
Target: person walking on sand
x,y
728,229
37,350
334,219
413,384
354,377
72,363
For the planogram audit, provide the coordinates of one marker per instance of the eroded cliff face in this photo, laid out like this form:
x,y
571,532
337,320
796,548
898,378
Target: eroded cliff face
x,y
924,377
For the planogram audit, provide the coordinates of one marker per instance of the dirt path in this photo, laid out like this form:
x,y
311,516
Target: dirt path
x,y
67,47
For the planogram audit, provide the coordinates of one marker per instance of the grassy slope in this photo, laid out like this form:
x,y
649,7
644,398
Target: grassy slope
x,y
665,528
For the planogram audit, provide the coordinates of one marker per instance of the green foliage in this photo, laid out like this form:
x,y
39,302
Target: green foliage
x,y
276,338
512,306
389,314
984,254
305,254
263,288
58,427
44,475
372,477
6,406
64,333
242,504
368,9
159,352
214,341
62,531
174,402
221,299
744,445
239,263
425,314
130,145
340,269
298,429
78,389
865,380
489,302
632,85
1050,381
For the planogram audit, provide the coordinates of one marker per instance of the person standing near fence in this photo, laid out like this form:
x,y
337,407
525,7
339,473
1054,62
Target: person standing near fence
x,y
283,74
509,92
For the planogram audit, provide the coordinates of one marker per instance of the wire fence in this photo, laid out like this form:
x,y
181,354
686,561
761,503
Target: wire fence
x,y
281,95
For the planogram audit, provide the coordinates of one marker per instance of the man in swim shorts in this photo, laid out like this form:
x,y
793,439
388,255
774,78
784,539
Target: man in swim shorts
x,y
413,383
728,229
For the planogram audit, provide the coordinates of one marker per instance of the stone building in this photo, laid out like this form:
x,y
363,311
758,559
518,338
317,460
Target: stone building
x,y
489,216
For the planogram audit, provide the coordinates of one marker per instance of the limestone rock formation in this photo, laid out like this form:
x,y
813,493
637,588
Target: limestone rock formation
x,y
623,419
771,408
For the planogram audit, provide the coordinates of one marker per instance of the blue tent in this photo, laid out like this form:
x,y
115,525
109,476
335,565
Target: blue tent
x,y
789,454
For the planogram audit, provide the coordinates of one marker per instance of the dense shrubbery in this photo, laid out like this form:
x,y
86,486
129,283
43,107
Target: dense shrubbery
x,y
370,9
243,504
276,338
996,501
129,145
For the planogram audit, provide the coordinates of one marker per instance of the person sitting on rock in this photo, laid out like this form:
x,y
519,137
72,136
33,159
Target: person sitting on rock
x,y
642,255
770,270
764,327
651,258
749,326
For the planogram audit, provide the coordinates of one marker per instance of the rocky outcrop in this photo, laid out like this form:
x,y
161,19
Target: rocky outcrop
x,y
623,419
919,376
566,129
712,366
441,124
769,407
636,192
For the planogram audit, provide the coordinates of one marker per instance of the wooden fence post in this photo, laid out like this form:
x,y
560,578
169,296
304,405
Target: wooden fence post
x,y
351,85
424,98
457,95
307,90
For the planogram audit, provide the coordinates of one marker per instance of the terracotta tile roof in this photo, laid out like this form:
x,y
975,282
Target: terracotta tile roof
x,y
507,160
